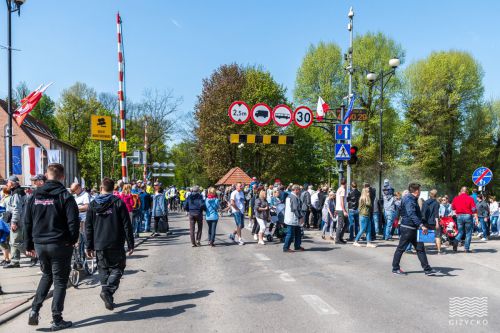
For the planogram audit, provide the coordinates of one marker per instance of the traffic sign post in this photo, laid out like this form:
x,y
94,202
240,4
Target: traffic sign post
x,y
343,132
100,127
342,151
482,176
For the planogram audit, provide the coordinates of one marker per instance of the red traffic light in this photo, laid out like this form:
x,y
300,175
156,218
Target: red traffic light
x,y
354,155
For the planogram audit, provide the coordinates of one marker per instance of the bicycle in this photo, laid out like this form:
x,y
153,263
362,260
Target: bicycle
x,y
89,265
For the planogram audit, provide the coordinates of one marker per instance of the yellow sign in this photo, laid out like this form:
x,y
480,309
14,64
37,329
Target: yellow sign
x,y
100,127
122,146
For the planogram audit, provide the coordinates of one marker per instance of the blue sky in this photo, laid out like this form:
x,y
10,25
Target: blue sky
x,y
175,44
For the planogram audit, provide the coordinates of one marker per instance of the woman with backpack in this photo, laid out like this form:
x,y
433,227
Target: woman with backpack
x,y
212,214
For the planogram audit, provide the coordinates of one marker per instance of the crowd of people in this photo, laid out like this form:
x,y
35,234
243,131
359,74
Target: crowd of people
x,y
48,222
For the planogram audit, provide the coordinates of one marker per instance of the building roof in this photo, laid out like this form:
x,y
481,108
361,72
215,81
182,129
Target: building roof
x,y
233,176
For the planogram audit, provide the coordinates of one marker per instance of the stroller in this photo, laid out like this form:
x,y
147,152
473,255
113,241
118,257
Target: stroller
x,y
277,226
450,229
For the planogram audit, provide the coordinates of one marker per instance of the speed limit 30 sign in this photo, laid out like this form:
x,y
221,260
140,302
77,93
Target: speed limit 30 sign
x,y
303,117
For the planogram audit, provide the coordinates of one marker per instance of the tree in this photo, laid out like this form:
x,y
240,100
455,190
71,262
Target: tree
x,y
443,94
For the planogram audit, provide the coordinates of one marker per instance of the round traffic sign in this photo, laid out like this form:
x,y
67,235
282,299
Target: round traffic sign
x,y
303,117
282,115
261,114
482,176
239,112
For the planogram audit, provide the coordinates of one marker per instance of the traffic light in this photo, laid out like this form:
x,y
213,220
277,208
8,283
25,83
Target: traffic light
x,y
354,155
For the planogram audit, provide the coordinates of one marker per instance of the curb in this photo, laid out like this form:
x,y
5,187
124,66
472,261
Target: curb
x,y
25,305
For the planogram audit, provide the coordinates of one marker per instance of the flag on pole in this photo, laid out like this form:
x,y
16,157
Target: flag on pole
x,y
35,161
28,103
347,116
321,109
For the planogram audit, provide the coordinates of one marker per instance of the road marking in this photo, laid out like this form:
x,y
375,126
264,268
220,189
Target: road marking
x,y
262,256
320,306
285,276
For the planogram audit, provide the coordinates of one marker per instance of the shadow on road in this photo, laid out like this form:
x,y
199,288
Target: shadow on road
x,y
320,249
131,313
444,271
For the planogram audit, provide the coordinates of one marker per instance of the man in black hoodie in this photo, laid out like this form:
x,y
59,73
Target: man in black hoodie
x,y
107,227
51,230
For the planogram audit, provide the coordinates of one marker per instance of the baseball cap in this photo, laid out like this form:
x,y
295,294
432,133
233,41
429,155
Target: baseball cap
x,y
157,184
39,177
13,179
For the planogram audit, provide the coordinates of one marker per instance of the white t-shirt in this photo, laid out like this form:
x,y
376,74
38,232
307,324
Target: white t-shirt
x,y
239,200
338,199
82,199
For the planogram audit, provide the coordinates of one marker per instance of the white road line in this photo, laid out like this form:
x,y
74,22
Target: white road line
x,y
262,256
285,276
320,306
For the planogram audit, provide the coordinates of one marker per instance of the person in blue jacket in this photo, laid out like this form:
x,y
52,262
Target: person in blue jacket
x,y
212,214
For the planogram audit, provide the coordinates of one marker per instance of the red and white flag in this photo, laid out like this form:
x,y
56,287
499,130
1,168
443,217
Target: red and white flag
x,y
321,109
28,103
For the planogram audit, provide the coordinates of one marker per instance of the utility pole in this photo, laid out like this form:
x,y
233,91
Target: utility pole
x,y
351,70
146,147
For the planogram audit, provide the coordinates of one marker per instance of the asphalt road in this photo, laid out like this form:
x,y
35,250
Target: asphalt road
x,y
171,287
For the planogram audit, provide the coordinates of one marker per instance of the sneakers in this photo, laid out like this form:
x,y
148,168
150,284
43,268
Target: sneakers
x,y
255,237
399,272
261,242
484,239
371,245
107,299
231,237
241,242
431,272
60,325
356,244
455,247
33,318
12,265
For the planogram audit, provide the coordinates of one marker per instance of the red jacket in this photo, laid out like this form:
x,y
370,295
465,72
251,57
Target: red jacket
x,y
128,200
464,204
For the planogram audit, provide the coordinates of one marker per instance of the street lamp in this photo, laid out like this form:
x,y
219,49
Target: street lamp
x,y
12,7
383,77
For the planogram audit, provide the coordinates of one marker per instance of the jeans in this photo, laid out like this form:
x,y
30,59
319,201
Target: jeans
x,y
212,225
293,233
353,223
375,227
366,226
494,224
485,226
389,220
193,221
409,236
465,226
341,226
110,264
16,244
239,219
146,217
136,221
328,225
55,264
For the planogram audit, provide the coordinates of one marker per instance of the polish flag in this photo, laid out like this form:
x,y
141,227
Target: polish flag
x,y
28,103
321,109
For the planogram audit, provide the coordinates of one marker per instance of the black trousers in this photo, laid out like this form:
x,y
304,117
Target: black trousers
x,y
193,221
409,236
111,265
342,224
306,218
158,220
55,264
315,217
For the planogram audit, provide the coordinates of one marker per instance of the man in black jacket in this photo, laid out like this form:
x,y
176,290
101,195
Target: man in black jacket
x,y
353,204
411,221
51,230
107,227
430,217
195,205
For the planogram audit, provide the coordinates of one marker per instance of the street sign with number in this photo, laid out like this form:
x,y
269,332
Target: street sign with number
x,y
358,114
342,152
482,176
303,117
342,132
239,112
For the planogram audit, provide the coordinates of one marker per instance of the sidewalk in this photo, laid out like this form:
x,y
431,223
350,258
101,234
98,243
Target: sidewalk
x,y
19,286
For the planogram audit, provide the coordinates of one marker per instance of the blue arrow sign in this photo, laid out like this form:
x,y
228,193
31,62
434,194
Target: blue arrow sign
x,y
342,132
482,176
342,152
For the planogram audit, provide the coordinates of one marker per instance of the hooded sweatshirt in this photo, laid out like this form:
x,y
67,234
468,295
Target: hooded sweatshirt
x,y
108,224
51,216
